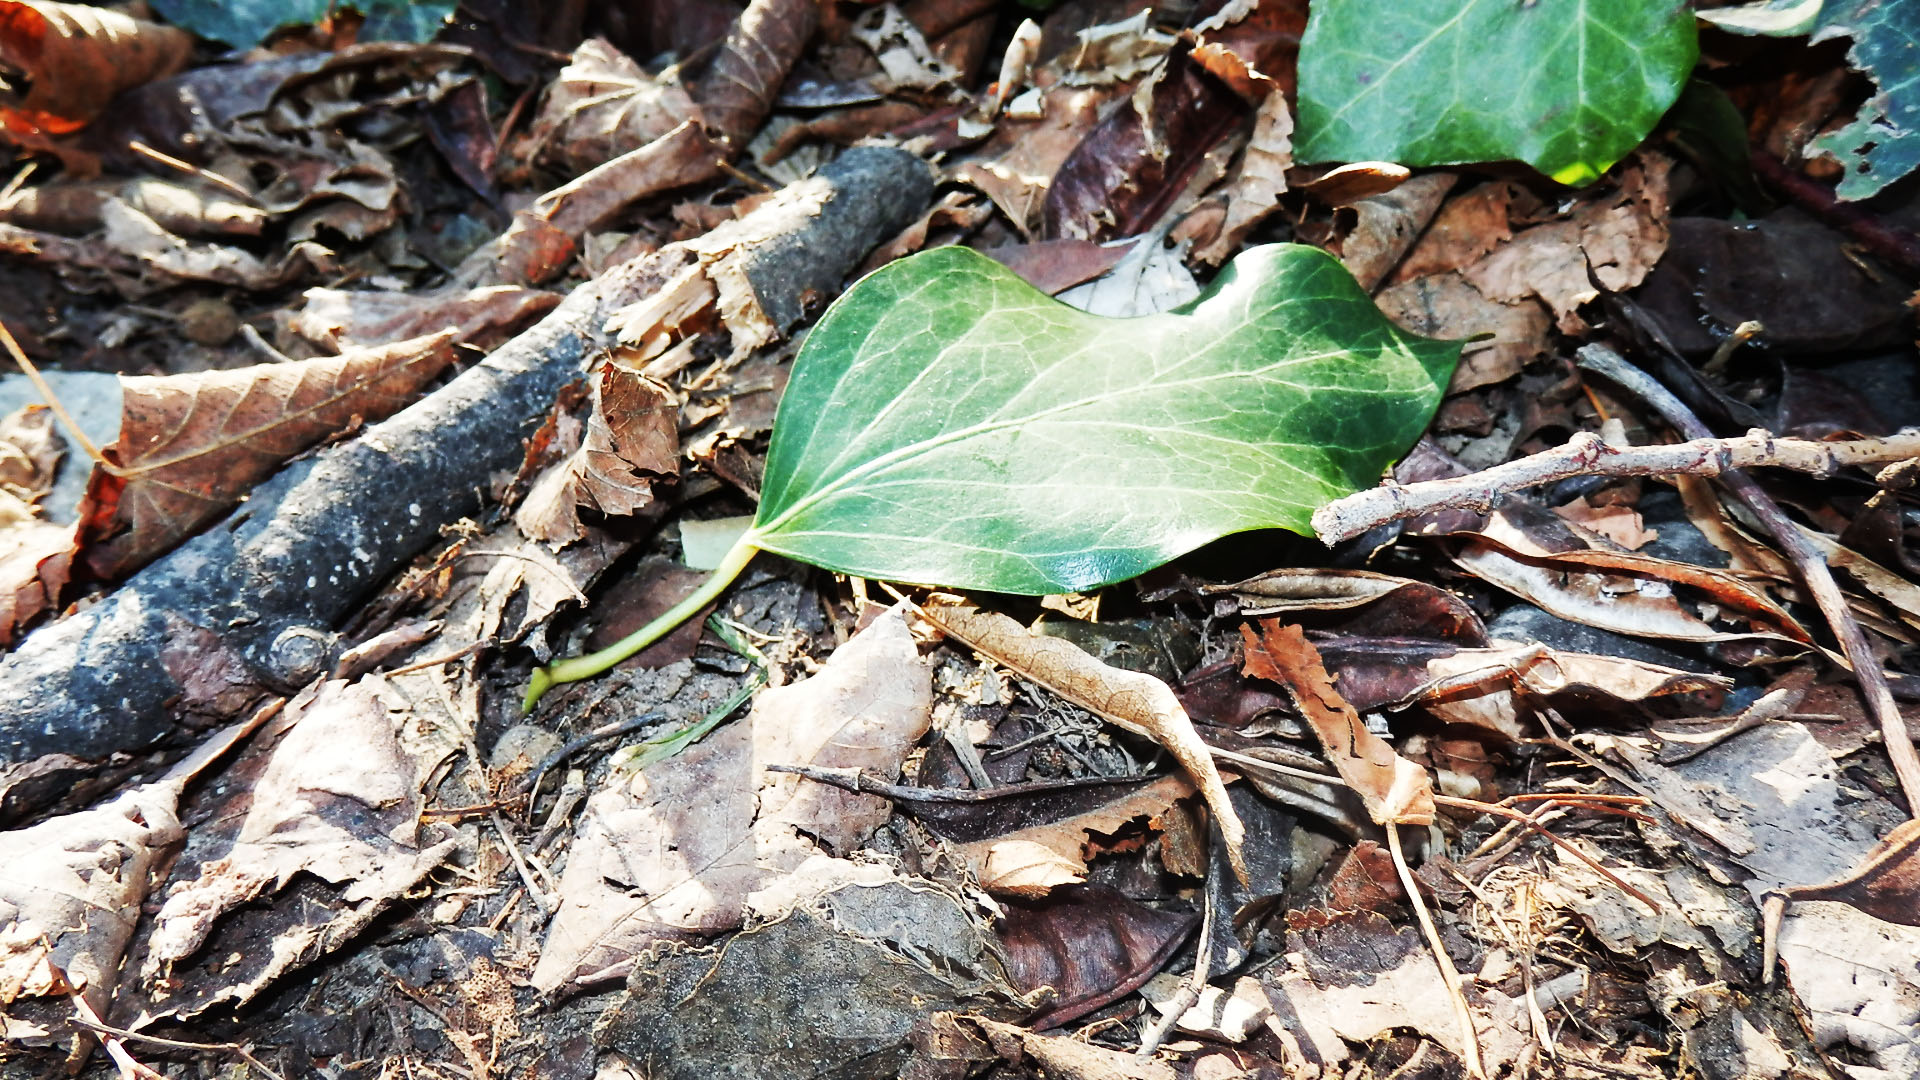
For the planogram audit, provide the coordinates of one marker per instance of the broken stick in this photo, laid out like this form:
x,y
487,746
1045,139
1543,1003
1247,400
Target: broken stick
x,y
255,600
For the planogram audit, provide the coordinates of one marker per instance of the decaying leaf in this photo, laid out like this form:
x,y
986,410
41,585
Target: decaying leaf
x,y
1258,180
1886,884
73,58
632,441
328,791
1032,862
1091,944
1616,238
1133,700
1395,790
674,855
341,319
1485,687
191,445
72,888
602,105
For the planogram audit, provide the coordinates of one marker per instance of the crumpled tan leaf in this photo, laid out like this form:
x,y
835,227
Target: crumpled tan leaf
x,y
334,794
1031,862
191,445
1394,790
1132,700
676,853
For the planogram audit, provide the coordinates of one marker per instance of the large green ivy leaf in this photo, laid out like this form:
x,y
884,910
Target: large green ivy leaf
x,y
246,23
1567,86
948,423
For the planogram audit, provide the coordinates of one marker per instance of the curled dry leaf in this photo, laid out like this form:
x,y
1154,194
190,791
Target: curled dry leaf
x,y
1613,239
1484,687
1386,225
740,85
1395,790
329,791
1258,180
1032,862
342,319
602,105
191,445
1623,591
74,58
1091,944
1449,306
1885,885
36,555
72,888
1132,700
632,440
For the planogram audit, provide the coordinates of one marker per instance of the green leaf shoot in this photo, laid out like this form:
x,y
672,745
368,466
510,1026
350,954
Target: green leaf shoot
x,y
1567,86
948,424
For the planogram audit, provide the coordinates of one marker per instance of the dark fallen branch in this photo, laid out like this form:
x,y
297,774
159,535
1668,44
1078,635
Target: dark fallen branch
x,y
1808,563
1586,454
255,600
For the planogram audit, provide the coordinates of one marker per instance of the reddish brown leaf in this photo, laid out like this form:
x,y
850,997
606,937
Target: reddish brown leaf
x,y
632,439
1131,167
1394,789
191,445
75,58
1092,945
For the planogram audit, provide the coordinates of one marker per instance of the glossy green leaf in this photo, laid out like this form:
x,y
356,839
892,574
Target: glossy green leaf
x,y
1567,86
947,423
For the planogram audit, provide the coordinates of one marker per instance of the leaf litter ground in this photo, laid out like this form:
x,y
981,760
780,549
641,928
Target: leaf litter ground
x,y
958,836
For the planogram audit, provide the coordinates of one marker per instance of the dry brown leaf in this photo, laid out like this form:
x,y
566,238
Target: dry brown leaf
x,y
191,445
602,105
1258,180
745,76
1133,700
72,886
676,854
169,259
1614,239
340,319
1449,306
1623,591
1031,862
1386,225
74,58
1478,687
329,790
632,440
1620,524
1018,164
1886,883
30,453
1394,790
1068,1058
1469,226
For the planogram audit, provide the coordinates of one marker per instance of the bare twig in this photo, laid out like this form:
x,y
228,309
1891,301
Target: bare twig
x,y
1587,455
1808,563
92,1021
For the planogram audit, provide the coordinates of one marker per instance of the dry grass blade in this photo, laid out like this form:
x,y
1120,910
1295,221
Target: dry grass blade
x,y
1469,1037
1132,700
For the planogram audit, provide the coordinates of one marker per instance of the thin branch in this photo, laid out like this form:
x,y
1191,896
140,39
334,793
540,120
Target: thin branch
x,y
1809,564
1529,822
1586,454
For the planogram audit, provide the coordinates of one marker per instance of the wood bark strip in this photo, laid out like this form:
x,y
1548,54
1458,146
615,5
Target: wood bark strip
x,y
255,600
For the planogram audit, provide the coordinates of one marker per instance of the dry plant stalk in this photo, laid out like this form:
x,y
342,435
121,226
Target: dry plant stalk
x,y
1132,700
1586,454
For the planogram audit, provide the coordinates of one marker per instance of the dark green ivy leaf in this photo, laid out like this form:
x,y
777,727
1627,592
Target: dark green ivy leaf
x,y
1567,86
